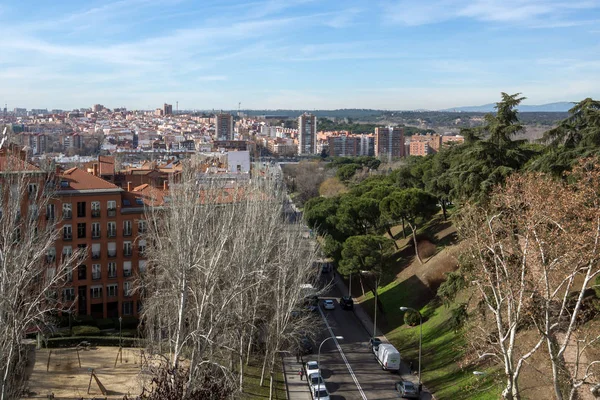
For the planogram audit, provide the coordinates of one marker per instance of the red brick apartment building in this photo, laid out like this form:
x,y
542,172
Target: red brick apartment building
x,y
422,145
99,217
105,220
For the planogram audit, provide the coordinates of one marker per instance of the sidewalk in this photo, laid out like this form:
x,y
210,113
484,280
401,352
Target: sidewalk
x,y
296,389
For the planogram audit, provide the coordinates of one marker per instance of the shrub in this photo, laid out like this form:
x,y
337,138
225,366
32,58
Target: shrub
x,y
105,323
77,320
85,330
127,323
597,286
411,318
449,289
458,317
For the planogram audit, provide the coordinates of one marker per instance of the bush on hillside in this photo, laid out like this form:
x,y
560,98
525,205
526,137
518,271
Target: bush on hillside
x,y
449,289
597,286
458,316
411,318
85,330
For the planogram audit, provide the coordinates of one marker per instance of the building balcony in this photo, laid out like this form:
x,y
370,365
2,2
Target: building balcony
x,y
112,212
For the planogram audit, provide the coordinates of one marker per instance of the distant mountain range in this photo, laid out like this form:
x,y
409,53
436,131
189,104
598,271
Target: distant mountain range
x,y
551,107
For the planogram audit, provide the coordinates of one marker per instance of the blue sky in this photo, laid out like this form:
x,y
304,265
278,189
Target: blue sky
x,y
391,54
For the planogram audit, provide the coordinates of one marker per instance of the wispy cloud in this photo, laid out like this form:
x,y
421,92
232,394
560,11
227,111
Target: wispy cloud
x,y
413,13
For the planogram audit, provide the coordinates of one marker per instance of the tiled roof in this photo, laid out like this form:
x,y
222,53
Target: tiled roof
x,y
78,179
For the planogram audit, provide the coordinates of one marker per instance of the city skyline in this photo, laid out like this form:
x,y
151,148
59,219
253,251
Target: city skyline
x,y
297,54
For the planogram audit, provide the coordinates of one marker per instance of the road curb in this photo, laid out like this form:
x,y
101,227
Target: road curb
x,y
287,389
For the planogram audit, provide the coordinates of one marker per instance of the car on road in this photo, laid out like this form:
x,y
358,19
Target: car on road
x,y
315,379
328,305
347,303
311,367
319,392
374,344
407,390
306,346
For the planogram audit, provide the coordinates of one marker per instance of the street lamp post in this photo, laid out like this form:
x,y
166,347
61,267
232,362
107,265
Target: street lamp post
x,y
319,359
120,330
420,338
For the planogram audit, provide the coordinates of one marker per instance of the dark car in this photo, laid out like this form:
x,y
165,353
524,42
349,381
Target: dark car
x,y
306,346
407,389
374,344
346,303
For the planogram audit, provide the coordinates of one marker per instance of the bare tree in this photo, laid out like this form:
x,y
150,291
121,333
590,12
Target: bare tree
x,y
534,253
30,273
224,274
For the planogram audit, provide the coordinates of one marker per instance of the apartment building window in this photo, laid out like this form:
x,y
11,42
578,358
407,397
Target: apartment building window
x,y
127,289
81,209
67,211
96,249
127,307
112,229
111,207
112,269
81,230
68,294
126,228
50,212
142,226
67,252
51,254
50,274
142,247
127,268
112,249
82,272
96,292
67,232
83,251
32,211
142,266
32,190
69,276
95,209
127,249
95,230
96,271
111,290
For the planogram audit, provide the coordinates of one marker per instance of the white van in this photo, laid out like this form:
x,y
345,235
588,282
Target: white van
x,y
388,357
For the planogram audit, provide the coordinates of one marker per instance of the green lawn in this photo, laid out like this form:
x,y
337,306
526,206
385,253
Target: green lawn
x,y
252,388
442,346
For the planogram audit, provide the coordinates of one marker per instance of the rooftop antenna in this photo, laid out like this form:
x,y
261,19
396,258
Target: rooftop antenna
x,y
176,107
239,108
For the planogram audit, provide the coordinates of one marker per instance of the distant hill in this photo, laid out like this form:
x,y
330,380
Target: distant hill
x,y
551,107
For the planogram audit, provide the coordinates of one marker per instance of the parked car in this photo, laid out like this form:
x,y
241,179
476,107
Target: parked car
x,y
328,305
306,346
319,392
407,389
388,357
374,344
311,367
346,303
315,379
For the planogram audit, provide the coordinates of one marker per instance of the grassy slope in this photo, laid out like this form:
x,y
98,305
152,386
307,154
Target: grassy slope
x,y
252,388
442,346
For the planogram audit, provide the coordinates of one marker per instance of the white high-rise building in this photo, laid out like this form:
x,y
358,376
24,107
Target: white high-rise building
x,y
307,134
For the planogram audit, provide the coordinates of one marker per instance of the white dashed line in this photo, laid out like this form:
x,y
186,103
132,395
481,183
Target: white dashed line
x,y
343,356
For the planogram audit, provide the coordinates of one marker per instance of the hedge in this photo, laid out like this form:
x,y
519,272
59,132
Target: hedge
x,y
85,330
93,340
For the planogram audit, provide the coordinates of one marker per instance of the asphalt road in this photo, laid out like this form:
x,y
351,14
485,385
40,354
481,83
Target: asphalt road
x,y
369,380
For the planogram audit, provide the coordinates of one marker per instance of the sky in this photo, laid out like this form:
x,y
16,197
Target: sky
x,y
296,54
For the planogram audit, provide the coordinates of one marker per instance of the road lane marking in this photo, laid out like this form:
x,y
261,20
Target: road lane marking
x,y
362,393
